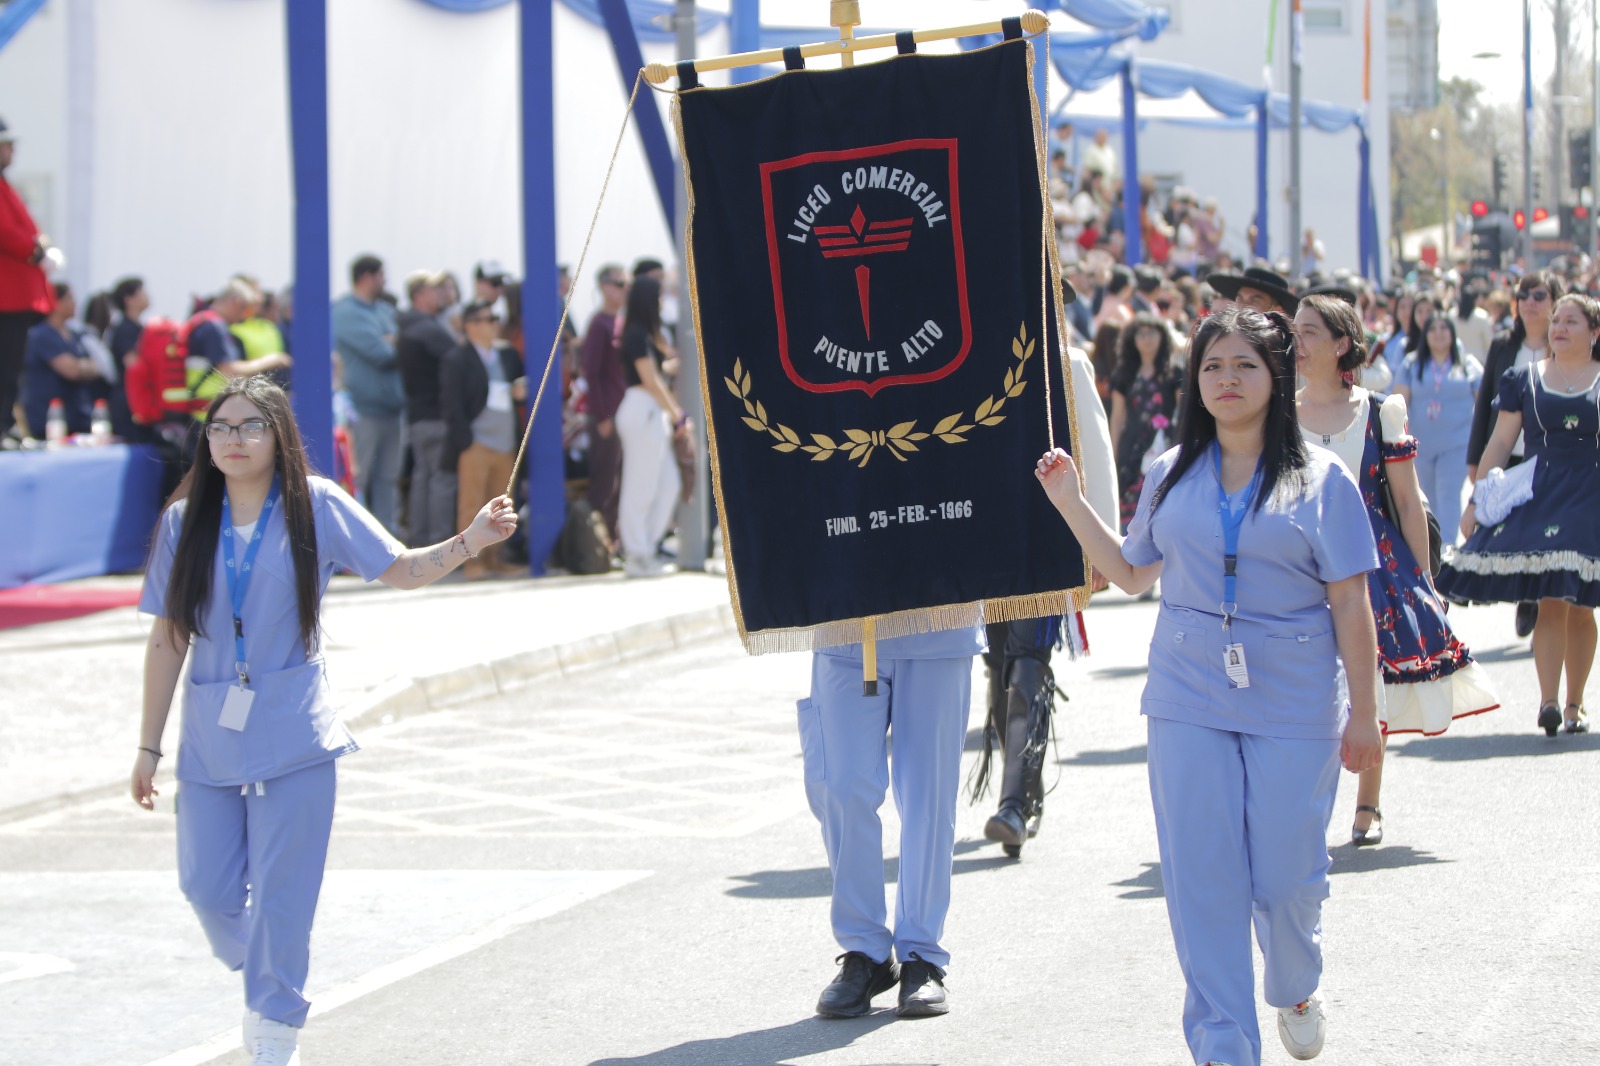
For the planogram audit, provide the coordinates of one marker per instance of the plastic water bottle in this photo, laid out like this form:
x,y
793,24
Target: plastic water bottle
x,y
100,423
55,424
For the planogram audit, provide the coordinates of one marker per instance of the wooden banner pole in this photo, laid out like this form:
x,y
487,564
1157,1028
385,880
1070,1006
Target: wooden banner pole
x,y
1033,22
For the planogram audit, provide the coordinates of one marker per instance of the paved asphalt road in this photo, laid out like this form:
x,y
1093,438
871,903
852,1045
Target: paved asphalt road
x,y
620,868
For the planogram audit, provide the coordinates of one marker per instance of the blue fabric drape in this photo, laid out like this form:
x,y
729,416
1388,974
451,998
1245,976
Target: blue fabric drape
x,y
14,16
1129,15
466,7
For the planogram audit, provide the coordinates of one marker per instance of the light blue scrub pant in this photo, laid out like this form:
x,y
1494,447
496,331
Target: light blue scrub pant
x,y
251,866
1242,823
1442,474
844,737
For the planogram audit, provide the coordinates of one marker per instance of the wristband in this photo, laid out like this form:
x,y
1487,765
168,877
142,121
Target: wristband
x,y
683,420
150,751
468,552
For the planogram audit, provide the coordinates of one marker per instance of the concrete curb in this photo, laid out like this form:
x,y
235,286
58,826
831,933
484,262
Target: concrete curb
x,y
403,697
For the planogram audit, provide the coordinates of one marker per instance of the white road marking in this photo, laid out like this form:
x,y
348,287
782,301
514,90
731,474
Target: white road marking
x,y
20,966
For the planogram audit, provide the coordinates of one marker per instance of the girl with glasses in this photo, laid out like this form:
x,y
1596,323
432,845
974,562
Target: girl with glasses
x,y
1548,548
241,561
1262,546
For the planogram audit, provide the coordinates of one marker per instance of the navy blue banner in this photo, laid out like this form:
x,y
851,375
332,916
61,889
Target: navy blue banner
x,y
867,256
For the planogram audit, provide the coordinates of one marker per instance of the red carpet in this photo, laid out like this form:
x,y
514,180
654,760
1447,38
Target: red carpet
x,y
32,604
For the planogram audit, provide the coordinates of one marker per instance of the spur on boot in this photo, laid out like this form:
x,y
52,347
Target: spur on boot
x,y
1549,718
1373,834
1577,720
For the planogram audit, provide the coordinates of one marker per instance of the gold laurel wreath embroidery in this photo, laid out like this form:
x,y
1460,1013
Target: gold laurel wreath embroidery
x,y
859,445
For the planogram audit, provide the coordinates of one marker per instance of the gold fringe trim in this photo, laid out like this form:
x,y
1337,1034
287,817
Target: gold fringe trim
x,y
915,622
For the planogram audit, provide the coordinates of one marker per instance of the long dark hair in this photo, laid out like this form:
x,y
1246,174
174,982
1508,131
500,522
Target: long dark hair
x,y
1414,336
189,587
1550,280
1283,453
644,307
1424,354
1128,359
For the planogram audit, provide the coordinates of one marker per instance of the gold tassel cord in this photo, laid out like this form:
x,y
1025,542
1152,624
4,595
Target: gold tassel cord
x,y
577,275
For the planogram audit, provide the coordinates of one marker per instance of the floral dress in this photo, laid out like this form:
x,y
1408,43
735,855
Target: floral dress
x,y
1429,676
1548,547
1151,402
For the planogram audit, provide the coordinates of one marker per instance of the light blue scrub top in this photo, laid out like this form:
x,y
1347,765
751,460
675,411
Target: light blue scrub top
x,y
1288,552
292,723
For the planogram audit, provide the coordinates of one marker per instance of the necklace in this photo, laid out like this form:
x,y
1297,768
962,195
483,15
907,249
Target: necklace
x,y
1567,389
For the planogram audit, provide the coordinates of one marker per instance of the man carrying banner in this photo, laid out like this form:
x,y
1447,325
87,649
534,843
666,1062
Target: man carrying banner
x,y
925,690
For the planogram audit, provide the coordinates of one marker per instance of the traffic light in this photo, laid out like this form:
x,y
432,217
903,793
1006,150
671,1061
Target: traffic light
x,y
1538,185
1578,149
1540,214
1575,224
1500,180
1479,209
1486,243
1518,219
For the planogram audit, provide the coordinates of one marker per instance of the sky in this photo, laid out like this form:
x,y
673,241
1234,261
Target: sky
x,y
1467,27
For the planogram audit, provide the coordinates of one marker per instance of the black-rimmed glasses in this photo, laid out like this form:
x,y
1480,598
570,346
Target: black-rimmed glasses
x,y
250,431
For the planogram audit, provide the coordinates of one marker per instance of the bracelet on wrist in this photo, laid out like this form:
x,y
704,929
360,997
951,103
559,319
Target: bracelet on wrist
x,y
150,751
468,552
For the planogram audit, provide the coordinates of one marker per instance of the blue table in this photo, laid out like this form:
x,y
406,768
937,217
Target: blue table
x,y
76,512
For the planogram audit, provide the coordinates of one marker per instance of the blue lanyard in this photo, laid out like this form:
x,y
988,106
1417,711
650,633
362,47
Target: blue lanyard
x,y
1232,523
239,575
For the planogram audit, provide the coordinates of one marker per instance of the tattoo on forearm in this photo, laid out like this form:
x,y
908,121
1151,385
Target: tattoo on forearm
x,y
436,557
416,568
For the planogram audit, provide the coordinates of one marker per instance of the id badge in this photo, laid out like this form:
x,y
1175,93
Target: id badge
x,y
236,708
1233,663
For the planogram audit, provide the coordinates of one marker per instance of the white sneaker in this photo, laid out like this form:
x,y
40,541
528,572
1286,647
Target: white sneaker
x,y
1303,1027
274,1044
251,1020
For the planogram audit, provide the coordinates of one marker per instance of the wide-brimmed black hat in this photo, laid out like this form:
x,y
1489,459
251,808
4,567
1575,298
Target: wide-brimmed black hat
x,y
1069,295
1337,291
1268,281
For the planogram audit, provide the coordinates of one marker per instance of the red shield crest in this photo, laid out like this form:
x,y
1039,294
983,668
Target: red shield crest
x,y
869,277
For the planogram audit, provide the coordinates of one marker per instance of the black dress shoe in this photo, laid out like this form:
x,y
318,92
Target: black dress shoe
x,y
922,992
1007,827
1527,618
1550,719
850,994
1373,834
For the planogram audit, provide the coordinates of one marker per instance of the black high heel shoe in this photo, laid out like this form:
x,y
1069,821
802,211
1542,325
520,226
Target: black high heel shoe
x,y
1550,718
1373,834
1579,722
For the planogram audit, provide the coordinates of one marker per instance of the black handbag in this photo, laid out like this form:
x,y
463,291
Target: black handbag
x,y
1386,496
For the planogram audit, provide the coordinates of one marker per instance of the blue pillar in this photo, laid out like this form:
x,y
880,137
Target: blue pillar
x,y
1364,208
744,35
543,466
1262,119
311,332
1131,217
630,60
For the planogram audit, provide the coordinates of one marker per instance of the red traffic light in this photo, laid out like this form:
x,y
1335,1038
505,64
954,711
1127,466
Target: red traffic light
x,y
1518,219
1479,209
1580,212
1540,214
